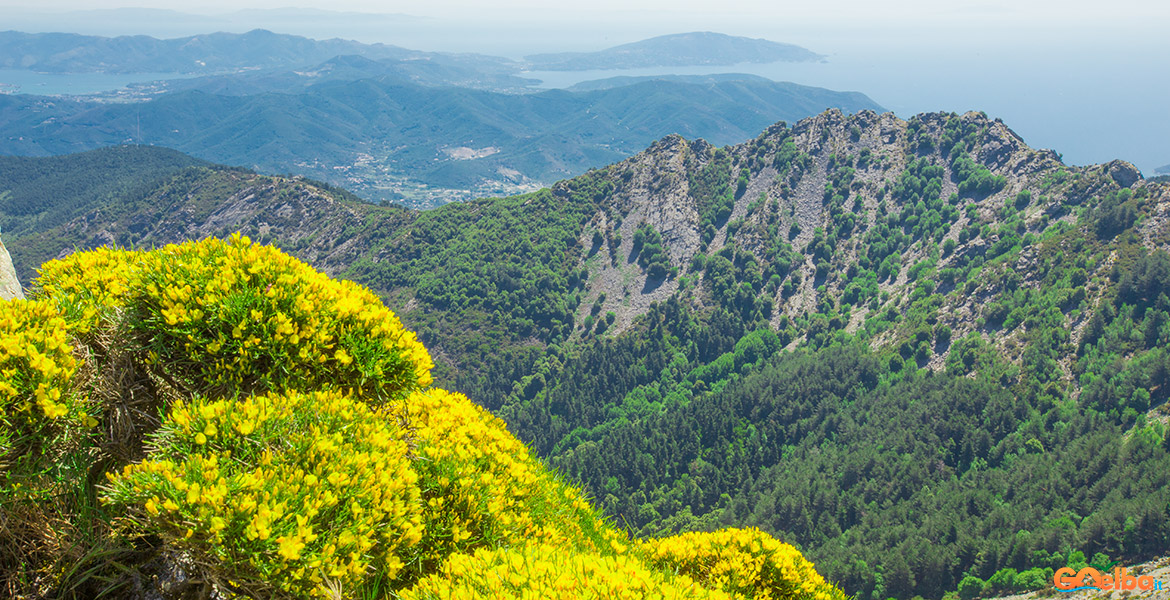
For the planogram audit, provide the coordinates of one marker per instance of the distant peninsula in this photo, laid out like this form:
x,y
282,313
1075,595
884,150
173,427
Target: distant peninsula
x,y
676,50
622,80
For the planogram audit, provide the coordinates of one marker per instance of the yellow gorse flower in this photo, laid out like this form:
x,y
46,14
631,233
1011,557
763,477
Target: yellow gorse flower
x,y
232,315
319,462
483,486
87,285
553,572
36,369
744,562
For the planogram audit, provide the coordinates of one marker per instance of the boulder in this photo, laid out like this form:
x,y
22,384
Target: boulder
x,y
9,285
1125,174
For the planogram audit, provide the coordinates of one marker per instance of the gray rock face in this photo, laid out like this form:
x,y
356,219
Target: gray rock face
x,y
9,286
1124,173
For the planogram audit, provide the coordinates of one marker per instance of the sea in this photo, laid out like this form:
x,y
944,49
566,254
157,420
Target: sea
x,y
15,81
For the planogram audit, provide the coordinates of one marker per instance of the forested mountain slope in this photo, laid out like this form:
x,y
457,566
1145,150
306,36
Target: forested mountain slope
x,y
141,196
921,349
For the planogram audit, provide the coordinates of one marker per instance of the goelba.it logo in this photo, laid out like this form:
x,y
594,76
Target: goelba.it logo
x,y
1088,578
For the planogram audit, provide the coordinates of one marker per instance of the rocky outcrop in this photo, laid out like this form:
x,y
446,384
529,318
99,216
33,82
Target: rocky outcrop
x,y
797,193
310,222
9,285
1124,173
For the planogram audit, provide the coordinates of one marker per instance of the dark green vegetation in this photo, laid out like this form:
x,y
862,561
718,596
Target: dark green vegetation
x,y
680,49
41,193
900,483
490,315
386,138
933,357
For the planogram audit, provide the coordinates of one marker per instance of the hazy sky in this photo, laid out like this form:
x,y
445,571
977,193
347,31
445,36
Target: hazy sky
x,y
1033,7
1039,12
980,22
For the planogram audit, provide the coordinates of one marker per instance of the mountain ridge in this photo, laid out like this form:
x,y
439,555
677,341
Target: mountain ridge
x,y
662,166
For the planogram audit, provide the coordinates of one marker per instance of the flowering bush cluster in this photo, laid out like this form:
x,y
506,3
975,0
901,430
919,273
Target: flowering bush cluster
x,y
296,490
744,562
313,491
87,285
302,453
482,487
36,362
554,573
236,317
36,370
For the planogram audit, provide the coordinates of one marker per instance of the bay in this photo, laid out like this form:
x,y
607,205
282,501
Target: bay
x,y
16,81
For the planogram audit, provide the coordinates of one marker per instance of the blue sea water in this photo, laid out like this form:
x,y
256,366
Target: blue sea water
x,y
14,81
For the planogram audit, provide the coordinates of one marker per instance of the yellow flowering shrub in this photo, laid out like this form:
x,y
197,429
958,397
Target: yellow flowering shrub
x,y
87,284
305,492
36,361
747,563
36,367
46,429
481,485
240,317
224,317
553,572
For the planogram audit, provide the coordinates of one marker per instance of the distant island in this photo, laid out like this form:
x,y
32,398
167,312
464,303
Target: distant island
x,y
677,50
